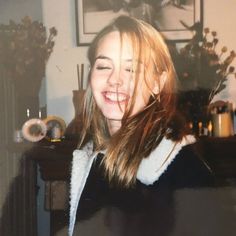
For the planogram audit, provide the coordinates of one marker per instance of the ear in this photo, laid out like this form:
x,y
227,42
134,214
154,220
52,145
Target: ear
x,y
159,86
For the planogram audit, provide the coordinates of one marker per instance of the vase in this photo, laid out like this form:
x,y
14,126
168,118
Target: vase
x,y
75,126
194,106
78,97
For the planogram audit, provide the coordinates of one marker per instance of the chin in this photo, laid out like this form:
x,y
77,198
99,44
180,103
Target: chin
x,y
113,115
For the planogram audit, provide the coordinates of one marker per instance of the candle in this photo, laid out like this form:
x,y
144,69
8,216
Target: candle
x,y
28,113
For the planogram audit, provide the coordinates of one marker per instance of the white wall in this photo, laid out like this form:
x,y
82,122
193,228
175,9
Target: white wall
x,y
220,16
17,9
61,72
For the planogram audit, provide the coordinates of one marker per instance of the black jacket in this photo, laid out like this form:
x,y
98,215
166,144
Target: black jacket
x,y
183,201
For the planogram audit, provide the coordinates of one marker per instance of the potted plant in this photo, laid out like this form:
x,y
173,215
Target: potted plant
x,y
24,52
202,71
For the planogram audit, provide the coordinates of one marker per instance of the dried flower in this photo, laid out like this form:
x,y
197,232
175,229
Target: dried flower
x,y
206,30
231,69
224,49
213,33
215,41
53,31
202,72
204,65
232,53
25,49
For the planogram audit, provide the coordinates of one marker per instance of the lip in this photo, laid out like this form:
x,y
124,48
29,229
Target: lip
x,y
111,97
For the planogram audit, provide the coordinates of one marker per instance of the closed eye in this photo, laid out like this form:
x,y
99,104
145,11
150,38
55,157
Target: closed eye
x,y
129,70
103,68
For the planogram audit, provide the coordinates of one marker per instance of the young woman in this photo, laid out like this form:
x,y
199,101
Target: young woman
x,y
134,172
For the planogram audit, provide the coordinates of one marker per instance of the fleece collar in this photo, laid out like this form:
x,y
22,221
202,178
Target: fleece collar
x,y
152,167
149,171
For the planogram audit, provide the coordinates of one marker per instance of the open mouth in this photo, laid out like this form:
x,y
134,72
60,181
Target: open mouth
x,y
115,97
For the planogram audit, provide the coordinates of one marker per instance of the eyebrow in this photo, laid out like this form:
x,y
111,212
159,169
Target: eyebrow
x,y
103,57
108,58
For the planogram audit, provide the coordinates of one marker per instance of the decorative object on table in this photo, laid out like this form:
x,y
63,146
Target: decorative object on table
x,y
34,130
78,96
24,52
222,117
202,72
56,127
17,136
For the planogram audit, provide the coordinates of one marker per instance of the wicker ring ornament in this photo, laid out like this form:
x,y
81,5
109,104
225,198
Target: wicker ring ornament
x,y
34,130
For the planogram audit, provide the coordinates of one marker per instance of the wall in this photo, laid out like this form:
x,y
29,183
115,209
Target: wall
x,y
17,9
61,72
220,16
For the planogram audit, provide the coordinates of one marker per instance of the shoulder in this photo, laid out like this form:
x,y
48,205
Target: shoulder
x,y
179,161
190,170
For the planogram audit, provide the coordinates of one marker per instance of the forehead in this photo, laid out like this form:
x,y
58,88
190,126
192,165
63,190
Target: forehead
x,y
112,44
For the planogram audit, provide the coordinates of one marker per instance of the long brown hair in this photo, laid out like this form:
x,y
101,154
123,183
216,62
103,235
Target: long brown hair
x,y
140,133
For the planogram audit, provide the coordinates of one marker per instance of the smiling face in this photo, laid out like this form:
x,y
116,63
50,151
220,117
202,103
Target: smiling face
x,y
113,79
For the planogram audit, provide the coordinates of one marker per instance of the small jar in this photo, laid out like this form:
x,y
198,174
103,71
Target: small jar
x,y
222,124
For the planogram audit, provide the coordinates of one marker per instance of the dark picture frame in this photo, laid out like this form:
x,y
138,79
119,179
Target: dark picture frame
x,y
166,16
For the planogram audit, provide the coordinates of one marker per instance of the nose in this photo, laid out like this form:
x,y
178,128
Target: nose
x,y
114,78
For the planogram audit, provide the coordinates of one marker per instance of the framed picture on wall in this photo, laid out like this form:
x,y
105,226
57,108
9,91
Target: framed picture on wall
x,y
170,17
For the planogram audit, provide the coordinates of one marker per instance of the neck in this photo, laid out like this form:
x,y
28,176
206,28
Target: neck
x,y
114,126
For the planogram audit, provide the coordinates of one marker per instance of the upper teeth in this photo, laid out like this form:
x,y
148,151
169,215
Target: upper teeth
x,y
116,97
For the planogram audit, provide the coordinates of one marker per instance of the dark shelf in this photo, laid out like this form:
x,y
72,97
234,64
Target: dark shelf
x,y
54,158
220,154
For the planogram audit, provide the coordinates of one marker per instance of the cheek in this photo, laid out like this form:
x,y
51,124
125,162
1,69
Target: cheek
x,y
146,97
94,82
92,85
143,92
143,97
98,79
